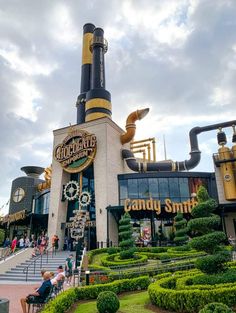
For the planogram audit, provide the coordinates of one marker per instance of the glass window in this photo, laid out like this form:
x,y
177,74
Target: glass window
x,y
163,188
123,189
133,188
143,190
174,188
153,187
184,188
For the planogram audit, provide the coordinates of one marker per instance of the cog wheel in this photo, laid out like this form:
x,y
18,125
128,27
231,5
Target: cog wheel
x,y
71,190
85,198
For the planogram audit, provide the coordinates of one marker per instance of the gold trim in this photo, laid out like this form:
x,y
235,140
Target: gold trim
x,y
95,116
98,103
87,57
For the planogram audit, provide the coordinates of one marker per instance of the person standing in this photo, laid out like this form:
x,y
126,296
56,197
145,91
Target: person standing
x,y
56,242
13,244
69,269
21,243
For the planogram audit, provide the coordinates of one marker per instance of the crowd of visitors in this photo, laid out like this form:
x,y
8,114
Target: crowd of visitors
x,y
50,284
39,243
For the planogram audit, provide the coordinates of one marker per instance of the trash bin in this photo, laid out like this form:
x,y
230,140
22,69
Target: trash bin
x,y
4,305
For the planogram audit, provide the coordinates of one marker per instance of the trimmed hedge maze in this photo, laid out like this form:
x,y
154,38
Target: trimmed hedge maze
x,y
191,290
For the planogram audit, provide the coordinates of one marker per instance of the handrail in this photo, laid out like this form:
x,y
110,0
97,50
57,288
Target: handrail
x,y
26,269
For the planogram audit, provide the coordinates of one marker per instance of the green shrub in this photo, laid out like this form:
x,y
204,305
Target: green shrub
x,y
180,229
216,307
126,241
109,260
107,302
227,277
65,299
113,250
203,228
174,293
212,264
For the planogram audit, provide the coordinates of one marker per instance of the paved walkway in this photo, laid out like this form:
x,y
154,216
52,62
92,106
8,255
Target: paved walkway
x,y
14,293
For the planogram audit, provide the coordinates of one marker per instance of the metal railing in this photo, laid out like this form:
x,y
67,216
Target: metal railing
x,y
49,251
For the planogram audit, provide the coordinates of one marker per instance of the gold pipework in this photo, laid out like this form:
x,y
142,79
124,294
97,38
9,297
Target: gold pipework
x,y
145,146
149,144
143,151
130,125
47,177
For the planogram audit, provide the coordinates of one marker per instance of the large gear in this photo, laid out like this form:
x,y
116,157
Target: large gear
x,y
71,190
85,198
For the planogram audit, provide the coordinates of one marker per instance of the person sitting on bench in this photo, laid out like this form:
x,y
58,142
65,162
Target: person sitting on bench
x,y
40,294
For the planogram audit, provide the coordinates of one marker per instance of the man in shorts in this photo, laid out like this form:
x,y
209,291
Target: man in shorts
x,y
69,269
40,294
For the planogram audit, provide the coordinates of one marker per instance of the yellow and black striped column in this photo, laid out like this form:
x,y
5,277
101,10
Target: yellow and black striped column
x,y
98,99
86,71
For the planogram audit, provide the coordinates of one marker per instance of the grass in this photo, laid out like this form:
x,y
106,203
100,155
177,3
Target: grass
x,y
131,303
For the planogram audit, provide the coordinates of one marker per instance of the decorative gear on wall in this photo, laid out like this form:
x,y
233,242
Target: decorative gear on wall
x,y
71,190
84,198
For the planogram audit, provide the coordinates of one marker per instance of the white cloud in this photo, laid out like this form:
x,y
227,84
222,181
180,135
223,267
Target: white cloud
x,y
62,27
28,97
24,64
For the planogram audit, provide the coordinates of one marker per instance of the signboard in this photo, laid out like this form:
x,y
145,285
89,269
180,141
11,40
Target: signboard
x,y
14,217
77,151
155,205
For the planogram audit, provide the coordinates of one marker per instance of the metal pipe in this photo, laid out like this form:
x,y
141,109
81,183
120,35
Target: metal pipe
x,y
168,165
86,69
98,99
143,140
130,125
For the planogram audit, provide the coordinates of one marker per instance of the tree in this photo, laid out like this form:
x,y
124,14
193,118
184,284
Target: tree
x,y
181,229
206,235
126,241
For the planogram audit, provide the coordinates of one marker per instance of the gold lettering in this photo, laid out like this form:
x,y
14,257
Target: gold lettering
x,y
135,205
149,204
168,207
127,205
157,206
141,204
177,207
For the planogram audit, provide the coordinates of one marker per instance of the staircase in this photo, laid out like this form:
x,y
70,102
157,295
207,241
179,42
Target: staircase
x,y
48,262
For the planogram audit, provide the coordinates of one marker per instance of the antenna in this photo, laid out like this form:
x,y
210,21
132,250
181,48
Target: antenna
x,y
164,142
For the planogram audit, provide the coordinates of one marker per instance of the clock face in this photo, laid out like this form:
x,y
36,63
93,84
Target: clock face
x,y
18,195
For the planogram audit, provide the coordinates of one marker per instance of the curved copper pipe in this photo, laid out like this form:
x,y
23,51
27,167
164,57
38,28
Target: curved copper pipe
x,y
130,125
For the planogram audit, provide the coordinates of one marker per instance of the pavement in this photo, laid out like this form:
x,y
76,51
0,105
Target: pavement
x,y
14,293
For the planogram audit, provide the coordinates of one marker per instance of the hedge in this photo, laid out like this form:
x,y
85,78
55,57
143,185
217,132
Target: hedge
x,y
173,293
64,300
109,260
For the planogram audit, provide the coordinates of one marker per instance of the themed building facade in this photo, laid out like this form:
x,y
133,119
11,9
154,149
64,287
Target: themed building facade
x,y
99,172
29,204
96,175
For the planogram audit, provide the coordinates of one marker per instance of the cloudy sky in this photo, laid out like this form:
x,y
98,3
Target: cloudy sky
x,y
177,57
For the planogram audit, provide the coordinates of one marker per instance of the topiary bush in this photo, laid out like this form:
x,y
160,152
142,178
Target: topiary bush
x,y
107,302
206,236
126,241
181,229
216,307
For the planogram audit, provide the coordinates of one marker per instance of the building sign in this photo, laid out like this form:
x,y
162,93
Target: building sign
x,y
155,205
77,151
14,217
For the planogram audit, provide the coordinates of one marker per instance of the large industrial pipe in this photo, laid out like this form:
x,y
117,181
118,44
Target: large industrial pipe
x,y
130,125
86,70
98,99
166,165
